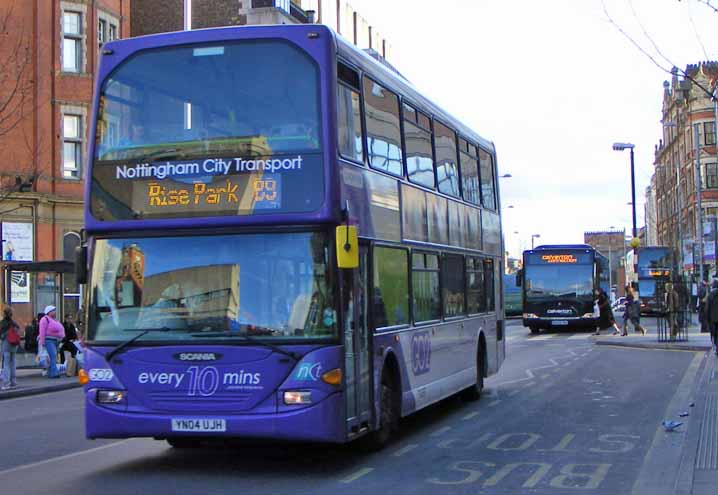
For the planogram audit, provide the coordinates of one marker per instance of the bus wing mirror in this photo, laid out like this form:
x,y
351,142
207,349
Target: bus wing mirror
x,y
519,276
347,245
81,264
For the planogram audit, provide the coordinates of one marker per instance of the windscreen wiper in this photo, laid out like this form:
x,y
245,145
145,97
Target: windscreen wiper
x,y
123,345
247,338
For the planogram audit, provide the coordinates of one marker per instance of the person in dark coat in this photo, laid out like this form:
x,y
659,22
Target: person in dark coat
x,y
67,343
605,320
712,314
31,332
703,290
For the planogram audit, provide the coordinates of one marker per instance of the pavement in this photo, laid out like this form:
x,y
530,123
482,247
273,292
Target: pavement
x,y
31,382
690,452
697,341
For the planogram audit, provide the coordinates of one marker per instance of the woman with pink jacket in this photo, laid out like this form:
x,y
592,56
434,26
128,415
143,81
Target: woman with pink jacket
x,y
51,333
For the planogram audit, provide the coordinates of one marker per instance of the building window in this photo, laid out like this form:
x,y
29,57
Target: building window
x,y
106,30
709,133
71,146
71,41
710,180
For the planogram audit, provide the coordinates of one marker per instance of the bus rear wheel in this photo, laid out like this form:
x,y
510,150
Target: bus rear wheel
x,y
474,392
389,415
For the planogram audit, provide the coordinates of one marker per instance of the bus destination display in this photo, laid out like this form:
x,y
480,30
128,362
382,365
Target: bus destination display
x,y
560,258
207,187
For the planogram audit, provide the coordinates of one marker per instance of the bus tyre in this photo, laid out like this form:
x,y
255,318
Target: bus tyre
x,y
184,443
474,392
389,416
534,330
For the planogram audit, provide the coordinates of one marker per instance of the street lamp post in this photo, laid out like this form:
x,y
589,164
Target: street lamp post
x,y
534,236
634,241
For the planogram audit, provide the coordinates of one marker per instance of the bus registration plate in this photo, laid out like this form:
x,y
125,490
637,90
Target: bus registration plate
x,y
198,424
559,323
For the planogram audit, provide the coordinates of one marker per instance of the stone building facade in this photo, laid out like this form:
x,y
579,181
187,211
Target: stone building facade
x,y
687,106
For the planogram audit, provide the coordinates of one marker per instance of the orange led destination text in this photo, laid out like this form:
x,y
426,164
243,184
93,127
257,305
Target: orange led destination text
x,y
559,258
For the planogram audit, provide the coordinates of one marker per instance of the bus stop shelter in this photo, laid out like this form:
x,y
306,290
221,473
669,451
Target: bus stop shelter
x,y
19,273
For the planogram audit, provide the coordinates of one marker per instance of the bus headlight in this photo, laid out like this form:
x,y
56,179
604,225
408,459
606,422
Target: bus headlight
x,y
110,396
587,315
530,315
297,397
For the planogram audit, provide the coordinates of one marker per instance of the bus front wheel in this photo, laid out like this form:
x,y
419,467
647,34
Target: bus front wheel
x,y
389,415
534,330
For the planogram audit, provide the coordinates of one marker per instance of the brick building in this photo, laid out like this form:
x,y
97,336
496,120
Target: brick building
x,y
612,245
157,16
49,52
687,106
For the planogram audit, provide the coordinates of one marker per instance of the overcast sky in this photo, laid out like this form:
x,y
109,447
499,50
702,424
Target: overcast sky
x,y
553,84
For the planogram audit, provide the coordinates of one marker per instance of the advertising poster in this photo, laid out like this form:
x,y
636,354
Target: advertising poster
x,y
17,245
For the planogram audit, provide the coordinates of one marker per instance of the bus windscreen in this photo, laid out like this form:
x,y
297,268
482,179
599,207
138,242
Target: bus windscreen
x,y
204,130
567,281
219,287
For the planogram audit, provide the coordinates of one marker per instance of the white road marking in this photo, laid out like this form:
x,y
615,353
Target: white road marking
x,y
61,458
406,449
440,431
470,415
357,475
494,403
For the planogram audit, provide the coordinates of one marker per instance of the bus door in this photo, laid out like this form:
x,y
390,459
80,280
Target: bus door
x,y
357,346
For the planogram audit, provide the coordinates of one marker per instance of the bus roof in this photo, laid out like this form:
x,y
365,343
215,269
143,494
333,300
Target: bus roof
x,y
546,247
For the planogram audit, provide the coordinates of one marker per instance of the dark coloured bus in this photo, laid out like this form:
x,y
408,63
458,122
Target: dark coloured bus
x,y
655,268
285,240
558,283
513,305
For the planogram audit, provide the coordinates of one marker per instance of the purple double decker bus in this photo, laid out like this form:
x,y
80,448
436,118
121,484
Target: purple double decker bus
x,y
284,240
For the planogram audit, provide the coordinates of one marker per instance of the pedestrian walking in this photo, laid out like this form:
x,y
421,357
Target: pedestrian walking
x,y
51,333
712,314
673,306
9,342
632,313
605,319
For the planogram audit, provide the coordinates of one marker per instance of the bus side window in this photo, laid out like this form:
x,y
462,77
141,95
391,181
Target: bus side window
x,y
390,299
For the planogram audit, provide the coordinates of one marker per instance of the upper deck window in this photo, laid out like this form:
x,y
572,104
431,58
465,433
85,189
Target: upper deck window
x,y
469,171
447,170
349,115
381,108
488,192
419,154
228,128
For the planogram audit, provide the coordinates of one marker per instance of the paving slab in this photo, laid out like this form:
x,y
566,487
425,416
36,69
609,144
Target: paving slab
x,y
31,382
